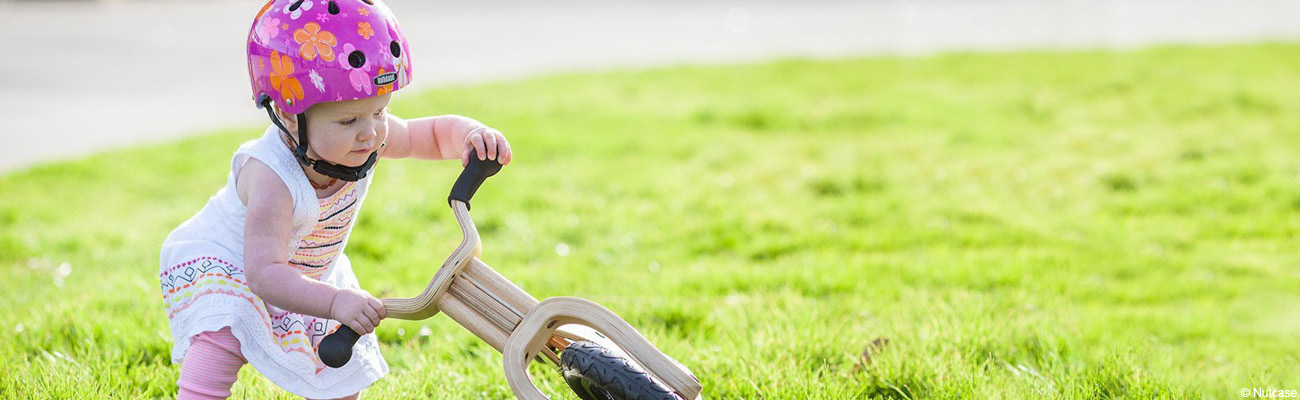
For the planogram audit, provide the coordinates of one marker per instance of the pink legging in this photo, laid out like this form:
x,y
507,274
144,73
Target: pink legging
x,y
211,366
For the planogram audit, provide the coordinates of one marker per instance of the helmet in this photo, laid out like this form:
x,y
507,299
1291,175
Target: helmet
x,y
303,52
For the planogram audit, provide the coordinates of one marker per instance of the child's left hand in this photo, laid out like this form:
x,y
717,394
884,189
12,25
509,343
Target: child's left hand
x,y
490,144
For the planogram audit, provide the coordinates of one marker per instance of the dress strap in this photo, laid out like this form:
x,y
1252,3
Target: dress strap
x,y
272,151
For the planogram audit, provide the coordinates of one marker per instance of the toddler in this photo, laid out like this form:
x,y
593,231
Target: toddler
x,y
259,275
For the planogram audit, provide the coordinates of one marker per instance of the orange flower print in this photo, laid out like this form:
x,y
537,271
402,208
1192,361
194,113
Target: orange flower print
x,y
315,42
363,11
381,90
282,79
363,29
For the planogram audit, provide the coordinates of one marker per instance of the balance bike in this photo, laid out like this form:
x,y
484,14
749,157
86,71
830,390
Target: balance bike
x,y
599,354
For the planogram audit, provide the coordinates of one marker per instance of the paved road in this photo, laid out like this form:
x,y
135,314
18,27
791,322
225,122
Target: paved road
x,y
79,77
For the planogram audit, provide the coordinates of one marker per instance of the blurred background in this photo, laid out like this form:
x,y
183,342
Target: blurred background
x,y
92,75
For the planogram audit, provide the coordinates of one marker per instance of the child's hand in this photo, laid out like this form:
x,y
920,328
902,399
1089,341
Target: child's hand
x,y
358,310
490,144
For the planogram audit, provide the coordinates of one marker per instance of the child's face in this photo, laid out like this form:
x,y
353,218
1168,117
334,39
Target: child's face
x,y
346,132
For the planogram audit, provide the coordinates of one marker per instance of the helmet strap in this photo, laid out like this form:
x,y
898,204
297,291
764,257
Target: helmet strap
x,y
323,167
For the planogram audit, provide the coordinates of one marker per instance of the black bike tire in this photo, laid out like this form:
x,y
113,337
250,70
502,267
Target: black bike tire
x,y
595,373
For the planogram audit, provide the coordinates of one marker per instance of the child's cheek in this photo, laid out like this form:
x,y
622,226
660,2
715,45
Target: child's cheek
x,y
329,142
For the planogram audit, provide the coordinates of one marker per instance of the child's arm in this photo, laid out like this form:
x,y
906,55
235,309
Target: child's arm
x,y
445,137
268,226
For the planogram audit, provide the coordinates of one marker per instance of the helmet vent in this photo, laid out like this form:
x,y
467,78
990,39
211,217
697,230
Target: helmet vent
x,y
295,5
334,8
368,2
395,48
357,59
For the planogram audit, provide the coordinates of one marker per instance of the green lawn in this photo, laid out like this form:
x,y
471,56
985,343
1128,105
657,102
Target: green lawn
x,y
1088,224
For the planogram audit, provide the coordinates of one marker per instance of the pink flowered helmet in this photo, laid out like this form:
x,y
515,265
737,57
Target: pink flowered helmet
x,y
303,52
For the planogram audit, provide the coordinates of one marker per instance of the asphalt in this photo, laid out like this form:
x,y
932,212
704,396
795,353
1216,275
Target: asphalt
x,y
82,77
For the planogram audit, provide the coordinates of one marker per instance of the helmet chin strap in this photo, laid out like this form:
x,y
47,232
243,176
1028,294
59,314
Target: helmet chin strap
x,y
321,166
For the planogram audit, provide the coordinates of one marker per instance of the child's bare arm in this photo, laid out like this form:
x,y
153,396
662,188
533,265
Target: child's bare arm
x,y
445,137
268,225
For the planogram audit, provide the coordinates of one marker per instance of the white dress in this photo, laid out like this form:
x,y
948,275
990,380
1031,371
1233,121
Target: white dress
x,y
204,287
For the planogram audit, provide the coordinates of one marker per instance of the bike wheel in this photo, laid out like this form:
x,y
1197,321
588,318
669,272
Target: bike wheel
x,y
595,373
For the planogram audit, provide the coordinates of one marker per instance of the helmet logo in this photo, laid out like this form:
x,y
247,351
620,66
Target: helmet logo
x,y
386,78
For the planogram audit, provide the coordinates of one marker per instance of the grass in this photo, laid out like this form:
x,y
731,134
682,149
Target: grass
x,y
1084,224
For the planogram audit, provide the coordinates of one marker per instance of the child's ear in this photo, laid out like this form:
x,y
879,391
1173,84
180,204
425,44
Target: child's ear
x,y
290,121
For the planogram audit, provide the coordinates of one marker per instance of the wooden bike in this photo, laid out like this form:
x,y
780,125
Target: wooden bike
x,y
599,354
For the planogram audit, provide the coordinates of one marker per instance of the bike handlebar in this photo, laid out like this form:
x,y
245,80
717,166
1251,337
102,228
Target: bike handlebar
x,y
336,349
472,177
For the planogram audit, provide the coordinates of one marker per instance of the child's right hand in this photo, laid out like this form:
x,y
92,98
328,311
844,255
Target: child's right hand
x,y
358,310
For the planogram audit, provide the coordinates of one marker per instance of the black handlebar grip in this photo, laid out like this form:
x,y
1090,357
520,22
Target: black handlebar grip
x,y
336,349
472,177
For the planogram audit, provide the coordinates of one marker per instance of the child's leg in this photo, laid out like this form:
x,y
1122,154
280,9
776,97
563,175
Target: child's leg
x,y
210,366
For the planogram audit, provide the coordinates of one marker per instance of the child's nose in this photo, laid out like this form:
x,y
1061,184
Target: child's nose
x,y
368,133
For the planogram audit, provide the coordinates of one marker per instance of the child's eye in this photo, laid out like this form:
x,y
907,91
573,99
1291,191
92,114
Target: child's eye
x,y
380,112
348,121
